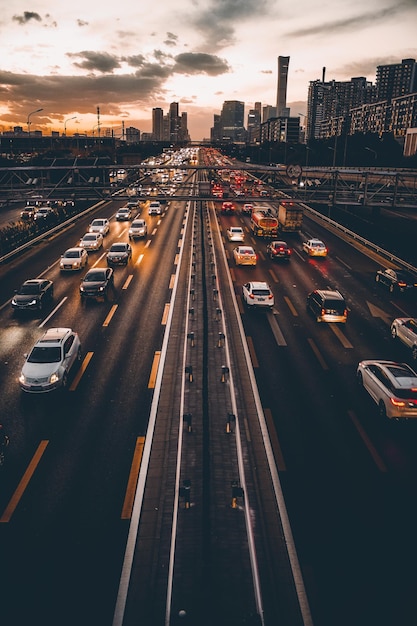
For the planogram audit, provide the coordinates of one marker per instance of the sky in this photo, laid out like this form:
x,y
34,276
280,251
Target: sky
x,y
125,58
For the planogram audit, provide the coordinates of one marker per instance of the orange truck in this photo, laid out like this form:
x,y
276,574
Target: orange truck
x,y
263,223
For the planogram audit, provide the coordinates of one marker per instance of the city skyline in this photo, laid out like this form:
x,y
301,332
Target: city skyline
x,y
68,60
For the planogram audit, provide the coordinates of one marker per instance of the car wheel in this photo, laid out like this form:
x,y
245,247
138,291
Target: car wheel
x,y
391,288
79,354
394,332
377,278
64,380
382,410
414,352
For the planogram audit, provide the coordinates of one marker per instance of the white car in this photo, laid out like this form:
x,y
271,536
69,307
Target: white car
x,y
315,247
392,386
235,233
405,329
124,214
244,255
138,229
73,259
154,208
258,294
91,241
50,361
247,208
100,225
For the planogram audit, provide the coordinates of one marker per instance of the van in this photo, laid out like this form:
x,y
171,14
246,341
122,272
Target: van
x,y
327,306
154,208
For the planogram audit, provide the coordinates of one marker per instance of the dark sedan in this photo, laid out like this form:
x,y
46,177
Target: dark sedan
x,y
400,281
119,254
33,295
96,283
279,250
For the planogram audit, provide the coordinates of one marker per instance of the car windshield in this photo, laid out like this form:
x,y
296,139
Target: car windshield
x,y
98,223
47,354
137,224
94,277
90,238
29,289
72,254
246,251
118,247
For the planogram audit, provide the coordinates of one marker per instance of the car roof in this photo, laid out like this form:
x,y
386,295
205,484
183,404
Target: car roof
x,y
246,248
258,284
329,293
34,281
54,335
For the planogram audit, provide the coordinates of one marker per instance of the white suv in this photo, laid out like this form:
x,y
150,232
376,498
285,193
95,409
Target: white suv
x,y
258,293
154,208
48,364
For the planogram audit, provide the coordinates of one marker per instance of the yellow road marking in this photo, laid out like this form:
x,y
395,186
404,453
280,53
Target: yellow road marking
x,y
252,352
291,306
15,499
172,281
110,315
128,281
81,371
279,457
139,261
154,370
133,479
165,314
176,260
374,454
318,354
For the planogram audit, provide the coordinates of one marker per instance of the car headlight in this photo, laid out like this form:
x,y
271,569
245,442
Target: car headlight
x,y
33,302
22,379
101,288
54,378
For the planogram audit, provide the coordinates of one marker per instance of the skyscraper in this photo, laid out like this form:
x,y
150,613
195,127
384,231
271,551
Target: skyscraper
x,y
283,63
157,124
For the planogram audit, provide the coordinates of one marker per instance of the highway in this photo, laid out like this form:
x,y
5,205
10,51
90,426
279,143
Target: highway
x,y
257,421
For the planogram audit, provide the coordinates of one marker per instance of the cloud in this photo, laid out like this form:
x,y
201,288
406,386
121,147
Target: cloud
x,y
217,21
82,23
357,22
171,39
200,63
95,61
27,17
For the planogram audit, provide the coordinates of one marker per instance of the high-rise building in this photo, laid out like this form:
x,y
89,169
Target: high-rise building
x,y
174,123
158,124
395,80
232,121
281,108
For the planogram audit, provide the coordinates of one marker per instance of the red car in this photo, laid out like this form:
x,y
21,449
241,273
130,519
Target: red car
x,y
279,250
228,207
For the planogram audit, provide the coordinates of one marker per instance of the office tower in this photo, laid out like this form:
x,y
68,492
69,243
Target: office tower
x,y
398,79
232,120
174,122
157,124
281,108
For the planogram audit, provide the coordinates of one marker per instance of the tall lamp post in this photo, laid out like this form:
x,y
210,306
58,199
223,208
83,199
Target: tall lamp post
x,y
65,124
29,116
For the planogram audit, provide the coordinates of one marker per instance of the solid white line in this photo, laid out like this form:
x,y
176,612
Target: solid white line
x,y
58,306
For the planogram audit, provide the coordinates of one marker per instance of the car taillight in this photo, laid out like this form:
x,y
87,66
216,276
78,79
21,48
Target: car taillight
x,y
270,296
398,403
252,296
345,312
402,283
323,311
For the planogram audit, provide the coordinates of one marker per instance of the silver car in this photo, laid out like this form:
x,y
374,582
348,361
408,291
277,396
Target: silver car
x,y
91,242
50,361
100,225
405,329
138,229
392,386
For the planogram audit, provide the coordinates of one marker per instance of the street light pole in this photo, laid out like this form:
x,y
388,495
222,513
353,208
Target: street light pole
x,y
65,124
29,116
